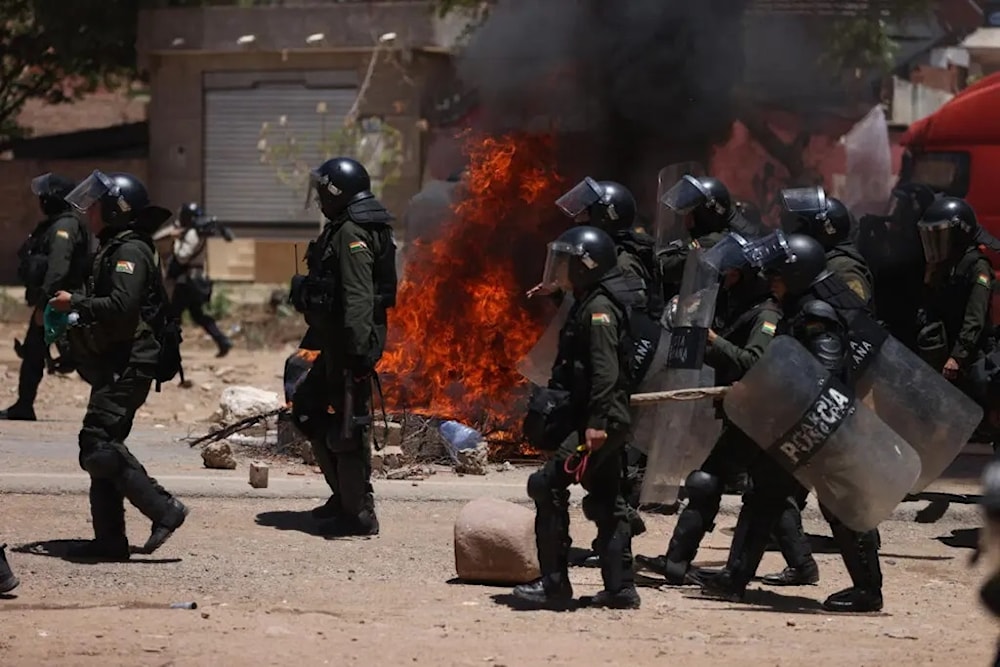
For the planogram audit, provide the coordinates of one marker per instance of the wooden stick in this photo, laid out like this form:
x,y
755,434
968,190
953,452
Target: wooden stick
x,y
693,394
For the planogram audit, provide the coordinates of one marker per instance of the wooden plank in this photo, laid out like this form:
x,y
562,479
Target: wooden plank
x,y
231,261
275,260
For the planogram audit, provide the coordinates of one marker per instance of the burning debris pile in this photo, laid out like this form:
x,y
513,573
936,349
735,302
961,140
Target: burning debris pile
x,y
462,322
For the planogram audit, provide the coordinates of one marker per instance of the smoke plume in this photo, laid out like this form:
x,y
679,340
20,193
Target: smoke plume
x,y
647,81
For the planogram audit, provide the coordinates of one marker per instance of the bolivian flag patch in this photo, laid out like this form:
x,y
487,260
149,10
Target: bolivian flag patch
x,y
983,279
600,319
769,328
124,267
62,233
357,246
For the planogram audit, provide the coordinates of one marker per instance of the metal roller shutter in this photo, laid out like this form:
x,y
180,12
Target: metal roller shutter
x,y
239,188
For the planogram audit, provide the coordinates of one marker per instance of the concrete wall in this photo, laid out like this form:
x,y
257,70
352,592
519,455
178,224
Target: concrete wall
x,y
19,211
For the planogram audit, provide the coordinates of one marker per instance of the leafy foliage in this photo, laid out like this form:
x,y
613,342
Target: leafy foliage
x,y
863,42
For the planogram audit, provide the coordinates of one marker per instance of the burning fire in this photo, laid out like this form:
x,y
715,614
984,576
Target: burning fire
x,y
462,321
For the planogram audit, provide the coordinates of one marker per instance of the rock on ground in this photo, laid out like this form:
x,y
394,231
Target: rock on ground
x,y
495,543
473,461
241,402
218,455
389,458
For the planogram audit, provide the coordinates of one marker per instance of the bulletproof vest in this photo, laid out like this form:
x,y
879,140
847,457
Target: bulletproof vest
x,y
947,299
640,336
643,247
370,214
33,260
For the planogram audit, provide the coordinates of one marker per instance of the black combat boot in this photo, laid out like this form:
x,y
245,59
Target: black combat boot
x,y
331,509
172,519
860,555
107,514
753,529
616,569
364,524
802,569
19,412
805,575
552,541
8,581
553,591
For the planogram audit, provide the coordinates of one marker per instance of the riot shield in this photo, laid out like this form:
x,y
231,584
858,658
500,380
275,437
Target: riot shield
x,y
537,364
927,411
681,434
669,225
818,431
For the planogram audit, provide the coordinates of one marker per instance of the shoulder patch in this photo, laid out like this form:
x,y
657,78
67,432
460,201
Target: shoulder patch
x,y
62,233
983,279
601,319
768,328
357,246
124,267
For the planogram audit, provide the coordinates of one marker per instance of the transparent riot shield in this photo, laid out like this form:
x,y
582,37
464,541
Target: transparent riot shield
x,y
919,404
537,364
669,225
829,440
682,433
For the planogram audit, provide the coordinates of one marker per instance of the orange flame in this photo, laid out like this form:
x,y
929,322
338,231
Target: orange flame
x,y
461,322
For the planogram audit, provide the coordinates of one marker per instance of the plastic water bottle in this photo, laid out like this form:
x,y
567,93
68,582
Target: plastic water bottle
x,y
72,318
458,437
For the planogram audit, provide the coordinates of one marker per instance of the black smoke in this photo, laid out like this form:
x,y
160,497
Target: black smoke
x,y
641,82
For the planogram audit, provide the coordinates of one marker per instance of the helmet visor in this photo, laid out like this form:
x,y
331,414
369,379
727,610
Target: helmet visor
x,y
555,276
90,191
937,238
686,195
40,185
312,194
580,197
804,201
737,252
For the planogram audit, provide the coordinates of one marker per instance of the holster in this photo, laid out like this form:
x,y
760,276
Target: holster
x,y
549,420
932,344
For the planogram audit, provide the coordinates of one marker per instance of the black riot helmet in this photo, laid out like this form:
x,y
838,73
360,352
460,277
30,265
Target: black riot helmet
x,y
705,198
947,228
579,258
189,213
803,264
338,182
604,204
809,211
120,196
51,190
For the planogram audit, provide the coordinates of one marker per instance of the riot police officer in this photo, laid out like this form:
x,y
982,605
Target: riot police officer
x,y
121,345
186,269
590,385
819,327
53,258
709,213
746,321
610,207
345,297
809,211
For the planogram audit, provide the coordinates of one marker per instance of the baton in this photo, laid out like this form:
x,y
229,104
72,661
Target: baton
x,y
693,394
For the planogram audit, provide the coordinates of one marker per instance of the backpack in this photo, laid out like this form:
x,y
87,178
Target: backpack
x,y
158,315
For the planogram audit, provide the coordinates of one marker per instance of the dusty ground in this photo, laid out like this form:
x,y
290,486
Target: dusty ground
x,y
271,593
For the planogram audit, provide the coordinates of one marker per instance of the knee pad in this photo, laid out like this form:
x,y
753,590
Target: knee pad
x,y
702,487
102,462
539,486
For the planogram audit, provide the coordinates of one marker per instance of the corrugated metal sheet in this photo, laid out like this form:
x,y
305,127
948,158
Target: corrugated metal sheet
x,y
238,186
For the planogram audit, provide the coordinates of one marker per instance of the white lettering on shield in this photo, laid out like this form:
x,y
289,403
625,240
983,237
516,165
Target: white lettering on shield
x,y
823,416
860,349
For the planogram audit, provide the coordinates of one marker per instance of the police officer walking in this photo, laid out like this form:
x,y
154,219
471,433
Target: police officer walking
x,y
955,317
186,269
818,326
53,258
809,211
345,297
591,380
119,344
746,321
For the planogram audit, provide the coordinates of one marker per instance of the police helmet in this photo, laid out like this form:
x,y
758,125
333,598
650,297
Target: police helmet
x,y
189,213
339,182
51,190
799,269
579,258
121,197
707,200
948,226
809,211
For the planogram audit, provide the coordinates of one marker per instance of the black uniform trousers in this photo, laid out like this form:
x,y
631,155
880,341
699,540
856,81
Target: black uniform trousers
x,y
187,297
604,504
115,473
32,364
762,508
730,456
317,408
